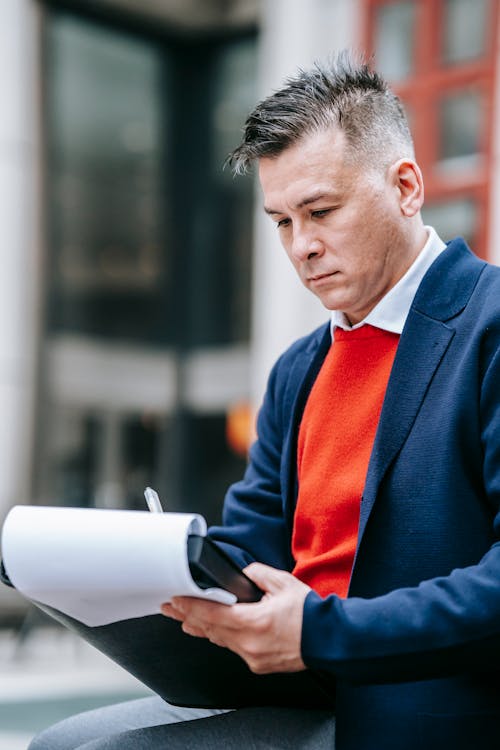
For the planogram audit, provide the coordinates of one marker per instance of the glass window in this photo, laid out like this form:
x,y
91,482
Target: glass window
x,y
464,29
210,465
452,218
461,117
235,94
99,458
394,47
106,199
219,236
148,259
69,478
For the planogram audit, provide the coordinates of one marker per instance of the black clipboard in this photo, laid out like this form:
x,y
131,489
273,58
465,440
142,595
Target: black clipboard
x,y
188,671
4,577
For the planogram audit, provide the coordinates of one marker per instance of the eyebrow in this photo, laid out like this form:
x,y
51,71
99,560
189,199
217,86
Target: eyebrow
x,y
306,201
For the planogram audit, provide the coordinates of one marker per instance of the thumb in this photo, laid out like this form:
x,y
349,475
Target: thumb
x,y
268,579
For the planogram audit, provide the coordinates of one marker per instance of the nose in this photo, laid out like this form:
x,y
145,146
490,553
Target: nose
x,y
305,245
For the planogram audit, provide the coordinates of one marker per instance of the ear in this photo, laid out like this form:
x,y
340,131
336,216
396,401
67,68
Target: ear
x,y
407,178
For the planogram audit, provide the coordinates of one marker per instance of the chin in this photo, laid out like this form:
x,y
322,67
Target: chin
x,y
332,303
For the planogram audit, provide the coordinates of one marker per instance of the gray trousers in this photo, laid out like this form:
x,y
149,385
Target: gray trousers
x,y
153,724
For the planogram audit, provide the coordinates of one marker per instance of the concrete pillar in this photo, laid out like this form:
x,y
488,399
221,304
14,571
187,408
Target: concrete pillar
x,y
19,244
294,33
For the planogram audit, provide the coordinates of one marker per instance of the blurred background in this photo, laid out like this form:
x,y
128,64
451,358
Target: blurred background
x,y
143,293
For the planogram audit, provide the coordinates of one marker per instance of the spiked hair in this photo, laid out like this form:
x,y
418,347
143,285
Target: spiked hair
x,y
343,94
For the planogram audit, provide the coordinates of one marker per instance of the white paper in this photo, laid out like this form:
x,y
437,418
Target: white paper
x,y
101,566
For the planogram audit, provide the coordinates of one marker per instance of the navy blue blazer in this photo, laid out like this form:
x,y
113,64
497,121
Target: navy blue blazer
x,y
414,650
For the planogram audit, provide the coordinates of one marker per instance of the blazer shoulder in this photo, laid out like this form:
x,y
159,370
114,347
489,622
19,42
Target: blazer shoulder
x,y
452,281
306,346
293,365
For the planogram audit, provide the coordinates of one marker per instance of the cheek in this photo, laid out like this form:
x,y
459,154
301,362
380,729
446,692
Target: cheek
x,y
354,232
286,244
363,266
291,257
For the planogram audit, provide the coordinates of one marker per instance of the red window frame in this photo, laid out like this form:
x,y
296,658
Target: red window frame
x,y
429,81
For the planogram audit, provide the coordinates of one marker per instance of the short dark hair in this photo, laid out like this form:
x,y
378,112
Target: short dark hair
x,y
343,93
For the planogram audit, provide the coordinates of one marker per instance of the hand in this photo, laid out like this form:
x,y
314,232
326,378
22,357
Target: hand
x,y
265,634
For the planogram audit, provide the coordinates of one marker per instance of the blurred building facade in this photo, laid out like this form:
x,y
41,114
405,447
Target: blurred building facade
x,y
145,295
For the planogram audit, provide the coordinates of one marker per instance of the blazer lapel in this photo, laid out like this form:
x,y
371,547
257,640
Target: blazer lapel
x,y
423,344
419,353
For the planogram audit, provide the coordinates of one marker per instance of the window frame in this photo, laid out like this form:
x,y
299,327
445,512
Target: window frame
x,y
422,90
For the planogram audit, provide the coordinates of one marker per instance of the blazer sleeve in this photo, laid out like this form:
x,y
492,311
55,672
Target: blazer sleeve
x,y
440,627
254,526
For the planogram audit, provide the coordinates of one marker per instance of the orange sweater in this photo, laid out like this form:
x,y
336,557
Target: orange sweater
x,y
335,441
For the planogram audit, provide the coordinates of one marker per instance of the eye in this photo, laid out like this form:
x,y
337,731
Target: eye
x,y
282,223
320,213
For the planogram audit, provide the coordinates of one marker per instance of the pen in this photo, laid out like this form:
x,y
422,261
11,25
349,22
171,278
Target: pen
x,y
153,500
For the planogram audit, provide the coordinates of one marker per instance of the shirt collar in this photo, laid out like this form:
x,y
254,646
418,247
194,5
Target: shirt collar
x,y
391,312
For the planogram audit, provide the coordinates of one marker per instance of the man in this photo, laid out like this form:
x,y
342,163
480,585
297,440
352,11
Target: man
x,y
369,512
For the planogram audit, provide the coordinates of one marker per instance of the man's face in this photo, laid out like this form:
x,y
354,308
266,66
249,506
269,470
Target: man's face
x,y
341,225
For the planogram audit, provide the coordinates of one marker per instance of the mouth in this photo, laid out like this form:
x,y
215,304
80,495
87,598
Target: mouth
x,y
321,277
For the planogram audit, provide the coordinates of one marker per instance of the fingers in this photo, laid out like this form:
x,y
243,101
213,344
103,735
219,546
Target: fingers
x,y
266,634
170,611
190,626
202,618
205,611
271,580
268,579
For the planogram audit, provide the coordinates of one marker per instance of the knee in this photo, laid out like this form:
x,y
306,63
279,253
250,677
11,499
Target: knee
x,y
53,738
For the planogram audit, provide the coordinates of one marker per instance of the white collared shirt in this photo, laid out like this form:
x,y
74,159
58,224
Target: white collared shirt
x,y
391,312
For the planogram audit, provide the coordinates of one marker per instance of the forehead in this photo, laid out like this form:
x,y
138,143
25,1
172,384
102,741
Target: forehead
x,y
316,161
